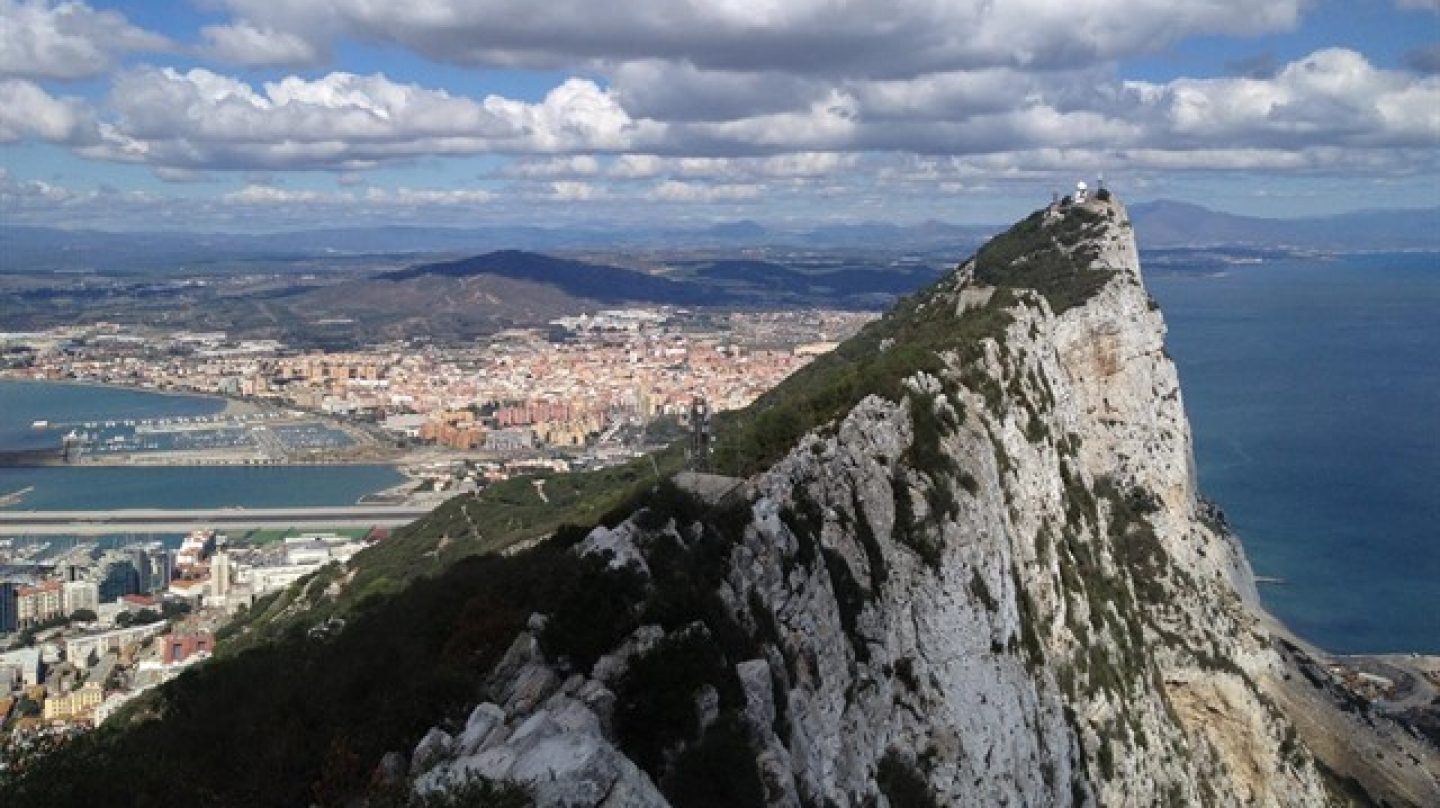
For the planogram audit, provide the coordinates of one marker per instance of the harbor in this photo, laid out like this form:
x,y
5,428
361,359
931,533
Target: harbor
x,y
251,436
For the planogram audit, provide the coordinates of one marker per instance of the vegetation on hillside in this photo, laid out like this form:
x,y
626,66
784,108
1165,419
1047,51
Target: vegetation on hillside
x,y
1048,253
1045,253
498,517
306,717
909,339
318,683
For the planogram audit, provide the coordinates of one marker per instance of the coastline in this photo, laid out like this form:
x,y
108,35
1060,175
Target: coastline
x,y
226,401
230,407
1371,737
25,469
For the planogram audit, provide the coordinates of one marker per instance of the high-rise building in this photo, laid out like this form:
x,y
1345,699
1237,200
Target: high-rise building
x,y
78,595
120,579
220,573
36,604
162,566
140,560
9,607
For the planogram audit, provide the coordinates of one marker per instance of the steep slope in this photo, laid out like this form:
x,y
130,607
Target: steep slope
x,y
959,561
990,583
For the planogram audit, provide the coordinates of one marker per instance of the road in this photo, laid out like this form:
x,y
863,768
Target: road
x,y
93,523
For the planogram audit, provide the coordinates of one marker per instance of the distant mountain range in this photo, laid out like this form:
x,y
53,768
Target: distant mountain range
x,y
44,248
580,279
465,298
1164,223
1168,223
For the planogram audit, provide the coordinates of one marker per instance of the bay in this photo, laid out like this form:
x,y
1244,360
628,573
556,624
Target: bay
x,y
1313,387
62,404
110,487
113,487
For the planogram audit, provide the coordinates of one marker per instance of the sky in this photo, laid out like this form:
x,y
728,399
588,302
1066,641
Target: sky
x,y
257,115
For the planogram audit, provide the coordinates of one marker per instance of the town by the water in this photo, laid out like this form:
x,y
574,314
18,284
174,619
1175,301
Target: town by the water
x,y
87,626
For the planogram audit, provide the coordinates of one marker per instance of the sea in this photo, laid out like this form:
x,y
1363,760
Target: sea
x,y
111,487
1312,385
1313,389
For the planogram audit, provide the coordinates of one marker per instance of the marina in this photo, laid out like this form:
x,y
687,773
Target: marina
x,y
287,463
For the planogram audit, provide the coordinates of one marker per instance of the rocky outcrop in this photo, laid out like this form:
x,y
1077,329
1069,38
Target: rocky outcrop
x,y
992,584
546,733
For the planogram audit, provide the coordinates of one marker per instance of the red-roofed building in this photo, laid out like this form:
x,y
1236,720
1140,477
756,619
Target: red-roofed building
x,y
139,602
36,604
178,648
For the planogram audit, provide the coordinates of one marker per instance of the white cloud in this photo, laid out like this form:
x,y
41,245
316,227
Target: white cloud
x,y
17,193
1331,97
180,175
571,191
27,111
245,43
271,195
1419,5
674,191
262,194
580,165
796,165
40,39
852,38
636,167
201,119
431,196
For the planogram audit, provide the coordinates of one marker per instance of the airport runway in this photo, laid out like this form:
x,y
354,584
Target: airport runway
x,y
92,523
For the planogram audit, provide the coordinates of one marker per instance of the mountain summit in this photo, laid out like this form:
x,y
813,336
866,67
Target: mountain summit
x,y
961,560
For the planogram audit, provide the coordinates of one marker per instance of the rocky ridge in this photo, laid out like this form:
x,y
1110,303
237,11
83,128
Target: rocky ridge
x,y
993,583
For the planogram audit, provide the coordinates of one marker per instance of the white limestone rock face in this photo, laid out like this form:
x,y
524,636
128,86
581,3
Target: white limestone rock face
x,y
551,739
998,589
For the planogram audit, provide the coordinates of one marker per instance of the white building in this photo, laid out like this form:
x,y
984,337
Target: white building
x,y
24,664
79,649
81,595
220,574
196,548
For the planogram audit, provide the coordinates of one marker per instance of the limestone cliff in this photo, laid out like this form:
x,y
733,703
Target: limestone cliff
x,y
988,580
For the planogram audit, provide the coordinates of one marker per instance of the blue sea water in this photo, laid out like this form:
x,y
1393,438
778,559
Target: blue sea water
x,y
112,487
108,487
24,402
1313,387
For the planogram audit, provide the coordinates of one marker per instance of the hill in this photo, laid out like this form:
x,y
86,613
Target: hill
x,y
604,284
961,560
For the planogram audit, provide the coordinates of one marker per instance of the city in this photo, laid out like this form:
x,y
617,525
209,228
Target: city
x,y
719,404
93,628
90,624
572,389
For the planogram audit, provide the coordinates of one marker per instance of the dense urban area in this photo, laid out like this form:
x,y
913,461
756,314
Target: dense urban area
x,y
89,625
92,628
574,384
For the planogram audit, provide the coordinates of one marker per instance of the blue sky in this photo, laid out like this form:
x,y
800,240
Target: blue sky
x,y
263,114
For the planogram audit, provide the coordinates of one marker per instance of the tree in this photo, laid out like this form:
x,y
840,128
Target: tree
x,y
146,616
83,616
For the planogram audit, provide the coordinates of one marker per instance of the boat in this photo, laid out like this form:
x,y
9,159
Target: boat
x,y
39,424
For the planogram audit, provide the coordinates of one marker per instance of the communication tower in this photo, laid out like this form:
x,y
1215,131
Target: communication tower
x,y
699,434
